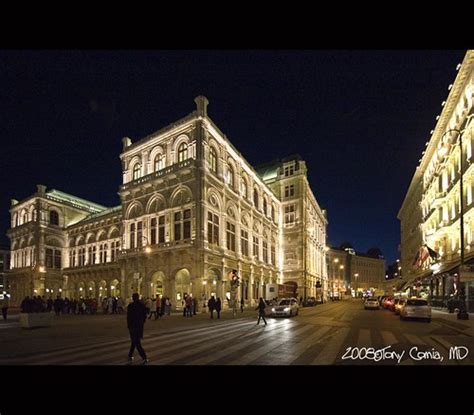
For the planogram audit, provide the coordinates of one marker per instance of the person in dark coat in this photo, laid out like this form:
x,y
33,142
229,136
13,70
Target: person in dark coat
x,y
136,316
261,311
242,305
212,305
218,307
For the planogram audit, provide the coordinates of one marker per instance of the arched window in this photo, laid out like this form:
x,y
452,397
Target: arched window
x,y
53,218
132,236
230,176
182,152
213,160
159,162
255,197
244,188
265,206
137,171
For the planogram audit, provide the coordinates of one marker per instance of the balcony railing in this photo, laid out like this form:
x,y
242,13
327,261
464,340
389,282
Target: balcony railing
x,y
157,174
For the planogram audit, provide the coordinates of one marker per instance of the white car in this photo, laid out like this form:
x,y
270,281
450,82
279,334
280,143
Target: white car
x,y
286,307
416,308
372,303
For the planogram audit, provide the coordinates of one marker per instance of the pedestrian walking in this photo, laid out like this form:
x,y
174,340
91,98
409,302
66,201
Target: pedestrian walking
x,y
136,316
212,305
242,305
261,311
153,308
5,303
218,307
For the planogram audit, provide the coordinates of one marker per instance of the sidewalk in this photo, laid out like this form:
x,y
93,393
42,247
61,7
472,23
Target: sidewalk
x,y
451,319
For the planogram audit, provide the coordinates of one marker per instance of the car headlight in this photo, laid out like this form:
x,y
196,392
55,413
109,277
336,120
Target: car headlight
x,y
286,309
273,310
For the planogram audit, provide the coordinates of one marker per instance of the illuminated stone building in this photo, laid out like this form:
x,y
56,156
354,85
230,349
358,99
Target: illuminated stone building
x,y
430,214
192,210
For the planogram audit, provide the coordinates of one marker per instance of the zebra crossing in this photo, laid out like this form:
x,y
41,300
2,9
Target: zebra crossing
x,y
242,342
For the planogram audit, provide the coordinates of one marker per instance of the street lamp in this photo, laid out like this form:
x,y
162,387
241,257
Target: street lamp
x,y
356,275
462,314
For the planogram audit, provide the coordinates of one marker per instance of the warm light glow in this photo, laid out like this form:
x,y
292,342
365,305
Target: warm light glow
x,y
80,289
90,288
204,282
60,290
442,151
112,287
341,267
41,268
47,290
214,282
147,249
356,274
35,291
336,260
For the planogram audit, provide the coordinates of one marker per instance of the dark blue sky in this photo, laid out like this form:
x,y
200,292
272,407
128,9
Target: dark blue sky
x,y
360,119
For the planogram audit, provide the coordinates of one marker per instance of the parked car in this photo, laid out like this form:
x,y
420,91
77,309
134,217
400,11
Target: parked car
x,y
398,305
309,302
388,303
416,308
286,307
371,303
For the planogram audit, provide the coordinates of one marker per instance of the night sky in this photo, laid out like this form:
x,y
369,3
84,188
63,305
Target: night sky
x,y
360,119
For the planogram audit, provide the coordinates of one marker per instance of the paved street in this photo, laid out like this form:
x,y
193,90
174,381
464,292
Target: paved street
x,y
333,333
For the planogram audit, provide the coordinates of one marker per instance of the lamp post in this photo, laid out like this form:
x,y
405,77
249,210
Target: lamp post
x,y
462,314
356,276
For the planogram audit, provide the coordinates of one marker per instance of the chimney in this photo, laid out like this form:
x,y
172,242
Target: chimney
x,y
41,189
201,105
127,142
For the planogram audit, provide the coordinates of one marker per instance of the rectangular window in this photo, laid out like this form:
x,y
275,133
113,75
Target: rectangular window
x,y
57,258
161,229
93,255
256,247
290,213
212,228
265,251
290,190
187,224
230,236
244,242
132,236
105,253
139,234
177,226
49,258
153,231
289,170
272,253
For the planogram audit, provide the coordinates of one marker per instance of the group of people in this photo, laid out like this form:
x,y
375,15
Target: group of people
x,y
158,306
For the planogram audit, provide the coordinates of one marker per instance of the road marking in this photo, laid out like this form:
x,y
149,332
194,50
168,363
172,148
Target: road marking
x,y
255,354
414,339
364,339
388,338
332,349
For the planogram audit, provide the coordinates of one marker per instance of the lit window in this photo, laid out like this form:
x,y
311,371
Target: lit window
x,y
213,160
159,162
182,152
137,171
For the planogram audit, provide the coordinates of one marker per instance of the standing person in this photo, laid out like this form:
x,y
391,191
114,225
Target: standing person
x,y
5,303
212,305
261,311
153,308
218,307
136,316
242,305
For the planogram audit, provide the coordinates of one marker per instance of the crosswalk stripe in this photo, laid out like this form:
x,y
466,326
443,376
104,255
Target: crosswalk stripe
x,y
187,352
109,348
255,354
331,351
388,338
364,339
171,343
305,344
229,350
414,339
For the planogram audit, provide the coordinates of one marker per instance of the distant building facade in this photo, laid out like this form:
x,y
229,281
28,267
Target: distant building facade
x,y
348,270
430,214
192,211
